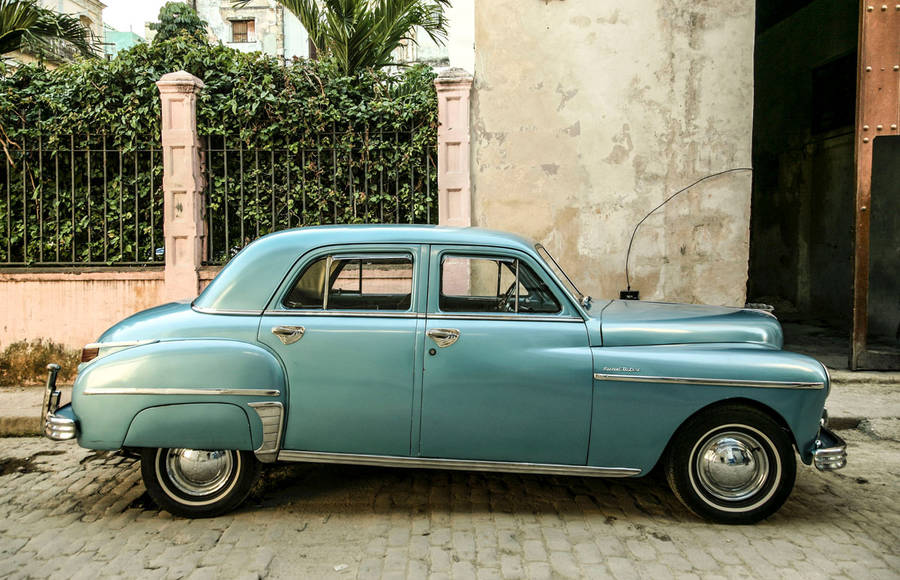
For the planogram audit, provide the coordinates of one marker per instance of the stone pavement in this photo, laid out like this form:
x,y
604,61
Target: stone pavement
x,y
65,511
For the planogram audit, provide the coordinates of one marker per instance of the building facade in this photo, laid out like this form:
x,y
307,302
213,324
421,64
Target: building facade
x,y
260,25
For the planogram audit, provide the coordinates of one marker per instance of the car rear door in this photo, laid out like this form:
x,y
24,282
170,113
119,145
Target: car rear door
x,y
350,352
507,367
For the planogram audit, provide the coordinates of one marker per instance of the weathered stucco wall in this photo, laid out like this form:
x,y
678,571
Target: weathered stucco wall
x,y
587,115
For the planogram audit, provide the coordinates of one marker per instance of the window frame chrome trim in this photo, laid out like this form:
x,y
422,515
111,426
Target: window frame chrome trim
x,y
349,313
375,256
519,317
217,391
455,464
710,382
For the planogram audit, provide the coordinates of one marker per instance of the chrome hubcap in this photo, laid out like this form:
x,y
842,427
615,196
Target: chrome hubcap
x,y
732,466
197,472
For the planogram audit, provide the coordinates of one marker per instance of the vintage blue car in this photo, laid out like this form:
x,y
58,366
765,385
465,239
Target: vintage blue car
x,y
433,347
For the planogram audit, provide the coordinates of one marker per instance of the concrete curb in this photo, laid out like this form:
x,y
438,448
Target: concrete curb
x,y
20,426
841,377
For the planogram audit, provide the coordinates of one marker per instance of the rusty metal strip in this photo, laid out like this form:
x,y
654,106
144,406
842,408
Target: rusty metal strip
x,y
877,113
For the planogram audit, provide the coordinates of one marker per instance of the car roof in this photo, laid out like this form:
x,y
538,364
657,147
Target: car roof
x,y
398,233
249,279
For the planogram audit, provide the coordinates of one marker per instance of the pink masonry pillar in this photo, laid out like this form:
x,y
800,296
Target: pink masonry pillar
x,y
454,182
183,186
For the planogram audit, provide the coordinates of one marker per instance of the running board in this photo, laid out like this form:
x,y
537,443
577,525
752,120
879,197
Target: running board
x,y
456,464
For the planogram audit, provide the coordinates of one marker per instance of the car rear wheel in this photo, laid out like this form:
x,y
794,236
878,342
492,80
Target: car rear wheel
x,y
197,483
732,465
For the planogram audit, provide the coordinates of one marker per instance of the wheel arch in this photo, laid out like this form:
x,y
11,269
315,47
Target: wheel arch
x,y
744,401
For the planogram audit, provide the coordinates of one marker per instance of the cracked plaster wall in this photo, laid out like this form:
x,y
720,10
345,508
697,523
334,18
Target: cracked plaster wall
x,y
587,115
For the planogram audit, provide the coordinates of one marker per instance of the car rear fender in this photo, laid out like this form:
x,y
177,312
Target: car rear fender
x,y
217,392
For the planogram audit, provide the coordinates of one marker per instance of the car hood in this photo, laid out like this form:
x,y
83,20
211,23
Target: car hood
x,y
636,322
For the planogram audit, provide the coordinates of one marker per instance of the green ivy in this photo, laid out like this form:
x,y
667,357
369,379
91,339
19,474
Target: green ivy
x,y
304,146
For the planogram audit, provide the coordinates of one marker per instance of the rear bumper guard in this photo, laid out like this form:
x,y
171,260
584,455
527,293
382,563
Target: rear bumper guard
x,y
56,427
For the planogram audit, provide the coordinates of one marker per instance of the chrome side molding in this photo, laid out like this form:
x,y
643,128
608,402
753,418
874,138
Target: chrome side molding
x,y
120,343
455,464
710,382
272,417
185,391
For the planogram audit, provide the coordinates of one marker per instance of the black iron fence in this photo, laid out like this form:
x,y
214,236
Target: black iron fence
x,y
85,200
355,175
80,200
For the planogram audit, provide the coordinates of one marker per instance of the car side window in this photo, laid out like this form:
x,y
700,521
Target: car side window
x,y
354,282
495,284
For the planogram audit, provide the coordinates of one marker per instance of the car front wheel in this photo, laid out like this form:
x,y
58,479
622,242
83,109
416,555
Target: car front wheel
x,y
732,465
197,483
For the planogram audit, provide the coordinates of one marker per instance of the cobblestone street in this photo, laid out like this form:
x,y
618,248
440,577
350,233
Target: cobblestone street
x,y
68,512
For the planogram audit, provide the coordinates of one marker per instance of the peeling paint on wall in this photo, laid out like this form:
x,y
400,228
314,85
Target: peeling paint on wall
x,y
613,109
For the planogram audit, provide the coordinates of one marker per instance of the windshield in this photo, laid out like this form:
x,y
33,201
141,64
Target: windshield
x,y
560,273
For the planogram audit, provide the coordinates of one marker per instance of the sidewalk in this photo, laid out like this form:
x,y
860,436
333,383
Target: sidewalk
x,y
869,401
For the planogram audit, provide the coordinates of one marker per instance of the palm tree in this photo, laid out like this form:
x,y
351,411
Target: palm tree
x,y
362,34
25,23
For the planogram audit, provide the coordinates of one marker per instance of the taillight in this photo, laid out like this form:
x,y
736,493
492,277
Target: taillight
x,y
89,354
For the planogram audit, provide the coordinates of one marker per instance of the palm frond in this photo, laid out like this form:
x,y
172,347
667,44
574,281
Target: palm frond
x,y
361,34
24,21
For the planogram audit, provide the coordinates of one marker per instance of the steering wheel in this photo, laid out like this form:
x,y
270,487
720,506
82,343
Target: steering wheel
x,y
507,301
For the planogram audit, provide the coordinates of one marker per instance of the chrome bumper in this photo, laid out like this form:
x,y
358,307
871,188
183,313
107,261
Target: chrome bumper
x,y
830,452
55,426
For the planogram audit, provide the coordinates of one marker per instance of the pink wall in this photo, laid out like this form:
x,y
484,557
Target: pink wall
x,y
75,307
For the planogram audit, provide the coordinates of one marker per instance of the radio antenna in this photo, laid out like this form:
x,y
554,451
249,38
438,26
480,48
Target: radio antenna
x,y
667,200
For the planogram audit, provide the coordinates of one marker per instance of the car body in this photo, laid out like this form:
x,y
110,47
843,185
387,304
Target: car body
x,y
444,348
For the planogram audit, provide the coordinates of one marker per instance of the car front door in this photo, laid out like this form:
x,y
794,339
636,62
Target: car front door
x,y
507,367
345,324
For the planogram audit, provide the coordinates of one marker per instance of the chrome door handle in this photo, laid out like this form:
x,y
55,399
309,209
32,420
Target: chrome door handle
x,y
288,334
443,337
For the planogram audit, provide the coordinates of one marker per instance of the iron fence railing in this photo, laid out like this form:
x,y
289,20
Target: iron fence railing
x,y
337,177
86,200
80,200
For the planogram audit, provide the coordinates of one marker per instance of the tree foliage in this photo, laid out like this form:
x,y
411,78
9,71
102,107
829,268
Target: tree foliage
x,y
316,146
362,34
24,23
178,19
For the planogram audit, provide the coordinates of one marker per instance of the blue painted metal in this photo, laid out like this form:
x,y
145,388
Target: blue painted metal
x,y
634,421
191,363
193,425
633,322
179,320
507,390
